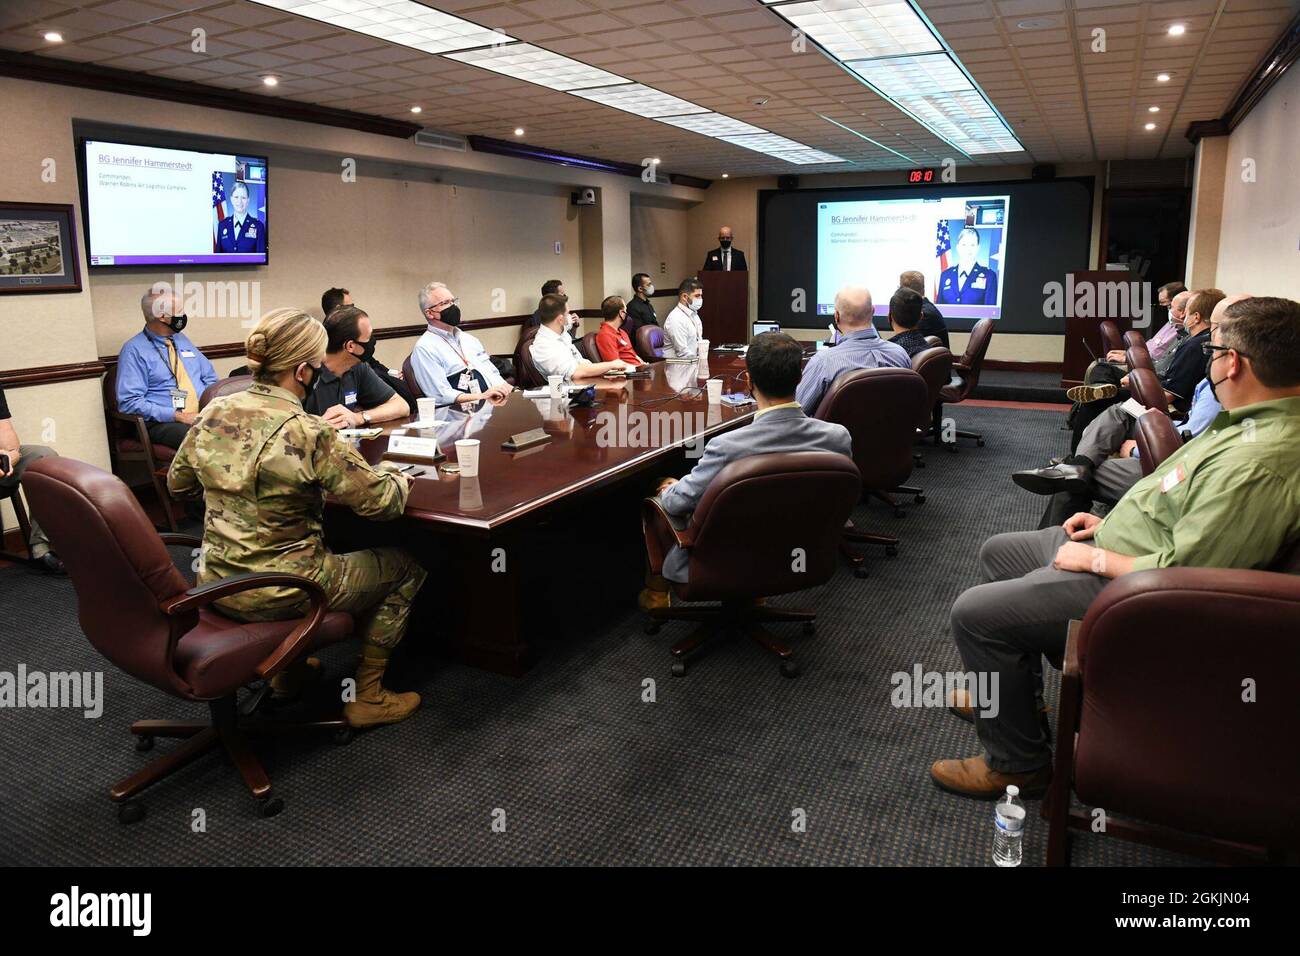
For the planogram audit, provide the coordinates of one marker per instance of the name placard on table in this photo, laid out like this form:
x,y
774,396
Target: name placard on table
x,y
414,448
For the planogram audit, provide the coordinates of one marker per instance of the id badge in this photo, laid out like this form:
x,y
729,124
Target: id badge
x,y
466,382
179,396
349,398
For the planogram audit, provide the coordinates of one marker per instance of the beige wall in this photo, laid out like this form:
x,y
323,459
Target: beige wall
x,y
1256,241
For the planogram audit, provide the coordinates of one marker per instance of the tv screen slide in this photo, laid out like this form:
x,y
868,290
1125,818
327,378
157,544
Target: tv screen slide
x,y
148,205
957,242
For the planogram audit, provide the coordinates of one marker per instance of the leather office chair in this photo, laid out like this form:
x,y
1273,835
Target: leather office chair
x,y
966,373
1157,439
1152,685
408,377
933,340
128,441
1110,338
24,525
736,559
880,408
1137,356
649,343
1133,338
934,365
224,386
587,346
1146,388
525,367
141,614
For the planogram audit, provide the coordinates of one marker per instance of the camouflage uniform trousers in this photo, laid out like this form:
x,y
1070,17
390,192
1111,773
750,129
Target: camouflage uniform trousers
x,y
376,586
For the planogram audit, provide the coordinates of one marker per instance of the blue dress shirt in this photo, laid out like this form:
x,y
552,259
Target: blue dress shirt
x,y
861,349
144,374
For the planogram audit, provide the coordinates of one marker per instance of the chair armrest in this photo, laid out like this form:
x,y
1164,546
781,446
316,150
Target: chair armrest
x,y
297,640
960,368
174,540
660,535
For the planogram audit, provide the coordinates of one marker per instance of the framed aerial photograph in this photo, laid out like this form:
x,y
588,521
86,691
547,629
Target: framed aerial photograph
x,y
38,248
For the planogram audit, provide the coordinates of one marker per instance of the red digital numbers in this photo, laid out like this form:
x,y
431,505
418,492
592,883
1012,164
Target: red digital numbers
x,y
920,176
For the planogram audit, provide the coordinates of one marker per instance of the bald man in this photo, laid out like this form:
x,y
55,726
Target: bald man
x,y
860,346
725,258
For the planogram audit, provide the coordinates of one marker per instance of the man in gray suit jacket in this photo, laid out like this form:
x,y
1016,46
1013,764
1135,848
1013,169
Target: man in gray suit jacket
x,y
774,361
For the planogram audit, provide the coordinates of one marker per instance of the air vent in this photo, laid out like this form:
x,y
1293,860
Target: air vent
x,y
1149,174
435,140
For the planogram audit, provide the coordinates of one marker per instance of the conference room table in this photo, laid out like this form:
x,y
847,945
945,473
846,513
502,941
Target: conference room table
x,y
637,429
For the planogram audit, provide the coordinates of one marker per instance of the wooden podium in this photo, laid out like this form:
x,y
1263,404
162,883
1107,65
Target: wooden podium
x,y
1079,330
726,307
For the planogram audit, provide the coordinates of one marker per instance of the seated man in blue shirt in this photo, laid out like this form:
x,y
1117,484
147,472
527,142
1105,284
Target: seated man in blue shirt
x,y
780,425
860,346
160,372
450,365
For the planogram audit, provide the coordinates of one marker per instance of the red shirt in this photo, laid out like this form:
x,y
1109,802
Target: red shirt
x,y
613,343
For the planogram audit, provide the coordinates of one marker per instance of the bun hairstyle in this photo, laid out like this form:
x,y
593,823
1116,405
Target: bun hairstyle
x,y
283,340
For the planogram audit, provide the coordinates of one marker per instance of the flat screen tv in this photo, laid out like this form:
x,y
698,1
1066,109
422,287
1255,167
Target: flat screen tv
x,y
153,205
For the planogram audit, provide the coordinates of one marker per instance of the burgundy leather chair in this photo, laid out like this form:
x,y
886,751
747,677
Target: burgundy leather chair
x,y
934,365
966,373
128,441
880,408
1146,388
1137,356
767,525
525,367
141,614
408,376
933,340
1110,338
587,346
1157,439
1134,338
1153,687
224,386
649,343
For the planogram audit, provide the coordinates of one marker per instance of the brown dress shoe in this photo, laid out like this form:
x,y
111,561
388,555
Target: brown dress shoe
x,y
649,598
973,777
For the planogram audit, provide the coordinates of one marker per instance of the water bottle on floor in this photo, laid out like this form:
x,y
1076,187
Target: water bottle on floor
x,y
1010,820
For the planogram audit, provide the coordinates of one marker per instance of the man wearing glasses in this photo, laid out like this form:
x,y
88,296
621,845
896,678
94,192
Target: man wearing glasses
x,y
1227,499
450,365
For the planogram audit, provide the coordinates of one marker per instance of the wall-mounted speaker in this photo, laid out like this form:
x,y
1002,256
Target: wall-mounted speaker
x,y
787,182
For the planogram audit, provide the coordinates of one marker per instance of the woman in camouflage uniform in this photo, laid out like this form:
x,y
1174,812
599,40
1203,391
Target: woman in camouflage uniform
x,y
263,466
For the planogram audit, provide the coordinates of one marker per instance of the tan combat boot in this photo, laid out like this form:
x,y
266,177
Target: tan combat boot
x,y
375,704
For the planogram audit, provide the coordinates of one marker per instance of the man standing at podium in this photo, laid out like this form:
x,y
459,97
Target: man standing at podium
x,y
725,258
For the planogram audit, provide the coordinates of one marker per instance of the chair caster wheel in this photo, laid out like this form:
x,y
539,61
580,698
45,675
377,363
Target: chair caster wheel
x,y
679,668
789,669
919,499
144,742
979,442
899,513
343,736
860,573
130,812
891,551
652,627
270,806
809,627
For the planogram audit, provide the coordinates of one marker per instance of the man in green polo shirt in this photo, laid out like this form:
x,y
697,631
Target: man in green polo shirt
x,y
1229,498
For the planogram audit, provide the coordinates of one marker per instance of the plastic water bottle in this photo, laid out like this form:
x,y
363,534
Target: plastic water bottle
x,y
1010,819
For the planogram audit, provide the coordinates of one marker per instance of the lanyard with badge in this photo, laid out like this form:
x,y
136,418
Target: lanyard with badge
x,y
179,396
468,379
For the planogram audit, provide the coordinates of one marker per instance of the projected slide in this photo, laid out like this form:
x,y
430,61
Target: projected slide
x,y
146,205
956,242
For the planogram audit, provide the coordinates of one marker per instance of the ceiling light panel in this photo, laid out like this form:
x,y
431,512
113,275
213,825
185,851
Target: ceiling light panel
x,y
763,142
523,61
404,22
805,157
640,99
861,29
711,124
905,77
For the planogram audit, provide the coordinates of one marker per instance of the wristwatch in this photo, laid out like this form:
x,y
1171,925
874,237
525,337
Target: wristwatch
x,y
365,417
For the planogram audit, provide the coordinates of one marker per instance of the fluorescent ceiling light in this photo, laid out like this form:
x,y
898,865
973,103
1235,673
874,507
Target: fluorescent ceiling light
x,y
861,29
711,124
523,61
804,157
763,142
641,100
904,77
404,22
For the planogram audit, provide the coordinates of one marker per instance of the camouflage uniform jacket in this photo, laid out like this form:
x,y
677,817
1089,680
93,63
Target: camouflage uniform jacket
x,y
264,465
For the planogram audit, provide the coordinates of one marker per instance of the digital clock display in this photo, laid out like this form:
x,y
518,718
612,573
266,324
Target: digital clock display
x,y
918,176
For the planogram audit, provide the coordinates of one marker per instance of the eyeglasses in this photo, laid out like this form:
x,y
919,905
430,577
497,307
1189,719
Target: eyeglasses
x,y
1207,349
442,305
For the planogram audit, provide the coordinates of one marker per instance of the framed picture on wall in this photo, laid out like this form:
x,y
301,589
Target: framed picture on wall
x,y
38,248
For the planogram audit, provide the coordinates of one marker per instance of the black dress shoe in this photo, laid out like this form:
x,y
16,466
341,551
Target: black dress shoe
x,y
1074,479
50,563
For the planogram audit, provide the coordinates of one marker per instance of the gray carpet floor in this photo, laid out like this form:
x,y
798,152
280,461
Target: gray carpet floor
x,y
580,768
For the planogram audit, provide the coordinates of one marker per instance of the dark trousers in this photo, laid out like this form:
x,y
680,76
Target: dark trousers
x,y
170,434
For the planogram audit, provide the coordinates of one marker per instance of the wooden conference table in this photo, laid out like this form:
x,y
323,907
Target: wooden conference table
x,y
638,426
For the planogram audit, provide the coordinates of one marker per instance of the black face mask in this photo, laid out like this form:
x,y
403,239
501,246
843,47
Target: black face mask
x,y
1209,375
450,315
176,322
725,243
310,387
367,349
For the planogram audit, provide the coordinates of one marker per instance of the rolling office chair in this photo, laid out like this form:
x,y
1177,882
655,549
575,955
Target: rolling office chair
x,y
525,367
1110,338
138,611
1157,439
1152,724
736,561
649,343
1134,338
408,376
128,441
934,365
1146,388
933,340
966,373
880,408
587,347
1137,356
224,386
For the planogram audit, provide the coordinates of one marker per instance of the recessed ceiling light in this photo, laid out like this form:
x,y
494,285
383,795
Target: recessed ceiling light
x,y
404,22
655,160
523,61
1162,77
1153,109
711,124
417,109
726,175
519,131
53,36
861,29
270,80
640,100
1177,30
1151,126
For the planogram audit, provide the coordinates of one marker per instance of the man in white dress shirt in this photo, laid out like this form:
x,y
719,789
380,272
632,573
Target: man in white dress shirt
x,y
683,329
450,365
553,350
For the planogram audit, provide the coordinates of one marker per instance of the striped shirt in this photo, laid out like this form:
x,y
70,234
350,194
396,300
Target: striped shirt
x,y
862,349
